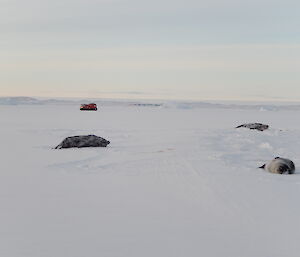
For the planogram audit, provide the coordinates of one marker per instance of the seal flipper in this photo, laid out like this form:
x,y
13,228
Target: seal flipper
x,y
262,167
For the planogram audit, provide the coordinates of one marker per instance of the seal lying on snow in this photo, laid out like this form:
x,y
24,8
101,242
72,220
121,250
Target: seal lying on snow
x,y
258,126
83,141
280,166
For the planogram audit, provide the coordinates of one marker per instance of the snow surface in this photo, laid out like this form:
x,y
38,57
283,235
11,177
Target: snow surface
x,y
174,182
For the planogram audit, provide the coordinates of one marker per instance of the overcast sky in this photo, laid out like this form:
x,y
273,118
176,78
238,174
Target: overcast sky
x,y
188,49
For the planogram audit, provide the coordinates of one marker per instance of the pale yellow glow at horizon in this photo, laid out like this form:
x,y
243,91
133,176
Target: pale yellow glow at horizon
x,y
190,72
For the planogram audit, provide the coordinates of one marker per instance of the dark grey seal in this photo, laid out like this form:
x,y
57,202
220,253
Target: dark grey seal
x,y
257,126
83,141
280,166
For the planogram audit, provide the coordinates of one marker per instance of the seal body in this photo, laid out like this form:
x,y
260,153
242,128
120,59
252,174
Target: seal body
x,y
83,141
257,126
280,166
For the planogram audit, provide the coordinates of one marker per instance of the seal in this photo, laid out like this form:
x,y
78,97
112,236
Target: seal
x,y
280,166
257,126
83,141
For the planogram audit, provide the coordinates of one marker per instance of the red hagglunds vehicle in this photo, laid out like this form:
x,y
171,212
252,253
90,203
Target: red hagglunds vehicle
x,y
88,107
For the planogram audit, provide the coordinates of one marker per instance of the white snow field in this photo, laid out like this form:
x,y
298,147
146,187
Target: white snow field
x,y
173,182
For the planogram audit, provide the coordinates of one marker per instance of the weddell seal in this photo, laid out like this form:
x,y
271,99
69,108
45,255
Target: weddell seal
x,y
280,166
257,126
83,141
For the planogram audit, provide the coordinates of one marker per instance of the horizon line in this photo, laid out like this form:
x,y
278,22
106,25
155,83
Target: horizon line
x,y
189,99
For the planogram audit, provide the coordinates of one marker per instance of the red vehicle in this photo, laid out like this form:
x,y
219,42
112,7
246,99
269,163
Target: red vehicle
x,y
89,107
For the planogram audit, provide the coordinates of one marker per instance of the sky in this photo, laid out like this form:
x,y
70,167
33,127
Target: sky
x,y
161,49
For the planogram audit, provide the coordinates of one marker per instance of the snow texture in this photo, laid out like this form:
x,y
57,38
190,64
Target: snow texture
x,y
173,182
